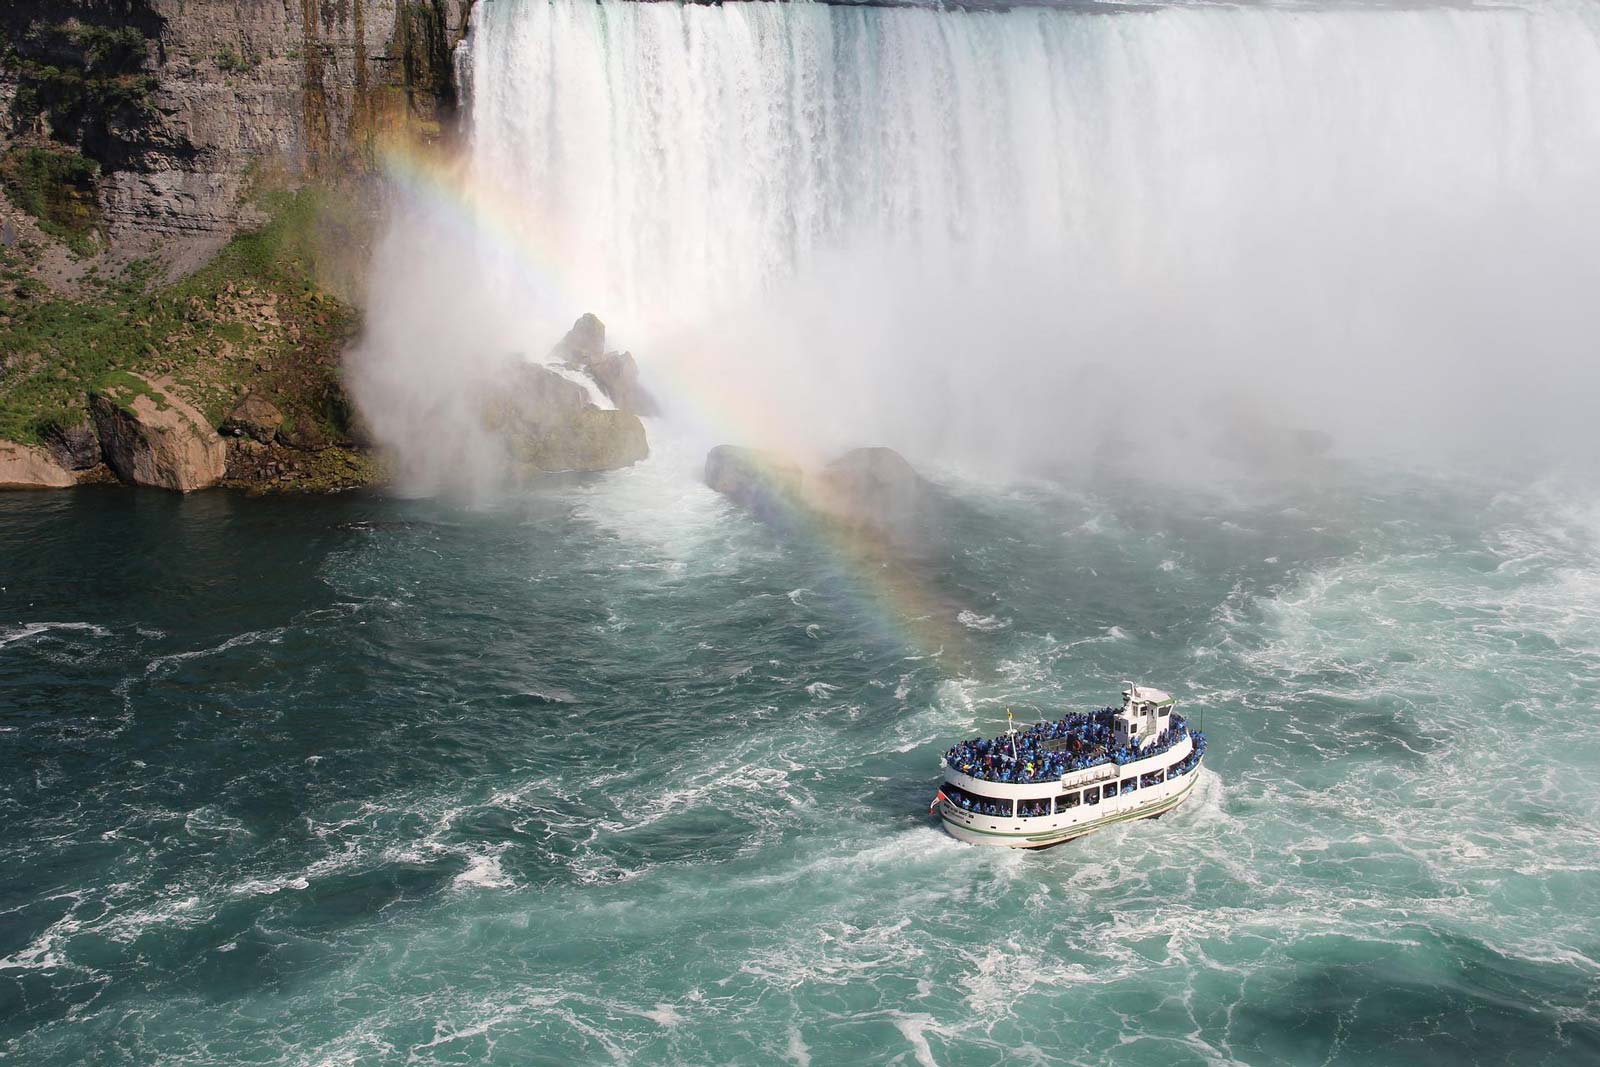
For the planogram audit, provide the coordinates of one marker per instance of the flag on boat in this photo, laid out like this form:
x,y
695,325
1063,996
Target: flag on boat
x,y
937,797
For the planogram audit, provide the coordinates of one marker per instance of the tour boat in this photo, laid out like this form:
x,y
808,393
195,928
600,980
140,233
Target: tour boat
x,y
1054,781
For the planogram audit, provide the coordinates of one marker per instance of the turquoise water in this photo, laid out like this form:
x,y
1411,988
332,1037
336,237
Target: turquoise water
x,y
609,773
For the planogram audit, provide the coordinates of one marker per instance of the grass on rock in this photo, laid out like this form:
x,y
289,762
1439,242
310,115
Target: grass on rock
x,y
254,318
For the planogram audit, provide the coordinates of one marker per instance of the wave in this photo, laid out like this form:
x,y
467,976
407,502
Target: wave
x,y
22,632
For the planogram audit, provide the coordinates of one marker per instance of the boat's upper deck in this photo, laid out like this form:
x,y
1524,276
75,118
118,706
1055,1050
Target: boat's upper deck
x,y
1045,751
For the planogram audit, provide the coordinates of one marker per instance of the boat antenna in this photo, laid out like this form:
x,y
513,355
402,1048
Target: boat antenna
x,y
1011,728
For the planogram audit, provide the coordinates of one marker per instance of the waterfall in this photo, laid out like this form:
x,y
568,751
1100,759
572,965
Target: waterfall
x,y
956,229
680,151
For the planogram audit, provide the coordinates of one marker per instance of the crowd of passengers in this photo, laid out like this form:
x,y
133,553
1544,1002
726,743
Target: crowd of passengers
x,y
1032,809
1189,762
1047,750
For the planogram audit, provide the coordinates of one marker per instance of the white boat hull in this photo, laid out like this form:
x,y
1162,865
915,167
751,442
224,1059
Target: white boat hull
x,y
1045,830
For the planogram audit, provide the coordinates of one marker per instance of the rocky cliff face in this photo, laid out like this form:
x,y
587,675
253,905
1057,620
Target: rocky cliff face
x,y
176,104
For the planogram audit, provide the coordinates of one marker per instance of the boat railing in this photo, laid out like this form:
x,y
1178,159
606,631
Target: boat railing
x,y
1085,795
1049,751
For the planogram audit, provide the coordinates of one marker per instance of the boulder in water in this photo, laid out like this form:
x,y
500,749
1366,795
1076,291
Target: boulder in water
x,y
585,341
150,436
26,467
590,440
616,373
765,483
876,490
871,491
73,447
550,426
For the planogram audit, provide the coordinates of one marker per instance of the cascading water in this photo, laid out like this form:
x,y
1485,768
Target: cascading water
x,y
684,155
921,225
611,772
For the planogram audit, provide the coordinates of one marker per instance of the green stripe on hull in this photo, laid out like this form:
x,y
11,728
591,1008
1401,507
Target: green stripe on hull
x,y
1056,837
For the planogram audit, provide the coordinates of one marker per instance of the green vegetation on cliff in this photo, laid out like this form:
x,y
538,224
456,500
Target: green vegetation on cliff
x,y
56,187
257,317
83,79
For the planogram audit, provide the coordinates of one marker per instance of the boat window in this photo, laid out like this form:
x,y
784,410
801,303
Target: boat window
x,y
973,802
1066,800
1129,785
1091,795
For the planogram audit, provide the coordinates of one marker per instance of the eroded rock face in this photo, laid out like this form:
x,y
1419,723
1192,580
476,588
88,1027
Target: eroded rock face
x,y
25,467
549,426
300,84
585,341
254,416
150,436
616,373
73,447
765,483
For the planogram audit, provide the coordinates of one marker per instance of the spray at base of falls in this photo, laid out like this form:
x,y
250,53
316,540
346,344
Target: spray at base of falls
x,y
1001,237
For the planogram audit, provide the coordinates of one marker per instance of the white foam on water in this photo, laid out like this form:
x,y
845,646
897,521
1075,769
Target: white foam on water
x,y
796,1050
915,1029
982,623
484,872
591,389
249,637
12,634
662,505
664,1015
47,952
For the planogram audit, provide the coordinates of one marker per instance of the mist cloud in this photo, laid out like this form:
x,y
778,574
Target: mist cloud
x,y
1010,240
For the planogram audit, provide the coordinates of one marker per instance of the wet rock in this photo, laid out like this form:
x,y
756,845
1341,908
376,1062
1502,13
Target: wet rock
x,y
549,425
26,467
591,440
151,436
871,493
538,394
616,373
254,416
876,489
73,447
764,483
584,342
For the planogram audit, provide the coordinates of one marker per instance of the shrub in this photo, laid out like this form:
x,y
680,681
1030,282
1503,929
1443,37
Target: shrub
x,y
56,187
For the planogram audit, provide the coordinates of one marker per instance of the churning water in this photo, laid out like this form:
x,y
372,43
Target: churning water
x,y
608,772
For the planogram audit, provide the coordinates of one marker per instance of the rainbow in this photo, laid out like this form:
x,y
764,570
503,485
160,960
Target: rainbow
x,y
903,603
